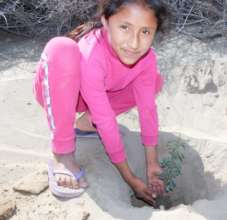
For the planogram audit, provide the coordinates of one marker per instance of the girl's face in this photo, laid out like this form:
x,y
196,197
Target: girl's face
x,y
131,32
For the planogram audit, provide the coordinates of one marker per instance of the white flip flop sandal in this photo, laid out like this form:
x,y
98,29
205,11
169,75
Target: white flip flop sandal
x,y
60,191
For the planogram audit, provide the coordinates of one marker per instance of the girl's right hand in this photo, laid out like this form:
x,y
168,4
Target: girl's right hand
x,y
142,191
138,186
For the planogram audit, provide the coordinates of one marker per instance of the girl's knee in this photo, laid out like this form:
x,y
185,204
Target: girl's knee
x,y
61,48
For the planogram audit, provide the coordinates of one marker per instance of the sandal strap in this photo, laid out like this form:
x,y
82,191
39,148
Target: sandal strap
x,y
76,175
84,133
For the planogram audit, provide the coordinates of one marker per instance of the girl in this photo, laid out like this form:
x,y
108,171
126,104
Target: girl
x,y
104,70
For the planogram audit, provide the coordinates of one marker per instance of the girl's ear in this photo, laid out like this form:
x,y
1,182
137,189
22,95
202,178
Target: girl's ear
x,y
104,22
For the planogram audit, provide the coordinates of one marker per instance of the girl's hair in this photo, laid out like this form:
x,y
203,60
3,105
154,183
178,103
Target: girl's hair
x,y
107,8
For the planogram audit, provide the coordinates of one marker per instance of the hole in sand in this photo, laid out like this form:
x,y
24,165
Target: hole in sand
x,y
203,174
197,179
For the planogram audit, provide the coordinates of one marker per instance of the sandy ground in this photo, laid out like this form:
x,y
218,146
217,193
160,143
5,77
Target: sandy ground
x,y
198,119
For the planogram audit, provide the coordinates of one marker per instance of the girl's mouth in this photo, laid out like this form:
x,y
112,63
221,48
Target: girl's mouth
x,y
130,54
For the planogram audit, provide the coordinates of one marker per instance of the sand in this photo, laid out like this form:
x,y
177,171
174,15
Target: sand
x,y
191,112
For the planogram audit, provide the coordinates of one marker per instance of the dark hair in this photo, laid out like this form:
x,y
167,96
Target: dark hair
x,y
107,8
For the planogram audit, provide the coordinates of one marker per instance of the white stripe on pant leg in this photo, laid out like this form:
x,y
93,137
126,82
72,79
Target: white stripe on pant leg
x,y
47,93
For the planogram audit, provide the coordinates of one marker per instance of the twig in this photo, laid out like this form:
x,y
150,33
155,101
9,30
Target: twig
x,y
185,21
48,17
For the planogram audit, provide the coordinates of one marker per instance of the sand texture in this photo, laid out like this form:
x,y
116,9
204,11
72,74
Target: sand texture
x,y
192,108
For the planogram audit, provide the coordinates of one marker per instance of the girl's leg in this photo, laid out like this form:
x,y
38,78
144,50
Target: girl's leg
x,y
84,123
56,87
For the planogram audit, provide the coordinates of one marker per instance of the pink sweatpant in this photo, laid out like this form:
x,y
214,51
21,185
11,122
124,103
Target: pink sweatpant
x,y
57,89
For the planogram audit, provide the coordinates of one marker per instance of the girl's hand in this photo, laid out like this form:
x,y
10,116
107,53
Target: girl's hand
x,y
141,190
155,184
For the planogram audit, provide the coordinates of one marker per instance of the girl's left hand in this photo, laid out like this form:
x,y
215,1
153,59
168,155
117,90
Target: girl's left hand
x,y
155,184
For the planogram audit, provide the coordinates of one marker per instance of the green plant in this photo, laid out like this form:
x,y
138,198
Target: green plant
x,y
172,164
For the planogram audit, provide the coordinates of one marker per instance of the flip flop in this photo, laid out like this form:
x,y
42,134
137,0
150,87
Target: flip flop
x,y
60,191
85,134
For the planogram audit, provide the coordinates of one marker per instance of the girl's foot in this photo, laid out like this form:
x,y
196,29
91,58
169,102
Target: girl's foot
x,y
83,123
67,162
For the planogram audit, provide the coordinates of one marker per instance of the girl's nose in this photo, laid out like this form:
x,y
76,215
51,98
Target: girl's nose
x,y
133,42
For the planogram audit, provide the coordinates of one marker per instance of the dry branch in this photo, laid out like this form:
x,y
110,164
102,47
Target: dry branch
x,y
199,18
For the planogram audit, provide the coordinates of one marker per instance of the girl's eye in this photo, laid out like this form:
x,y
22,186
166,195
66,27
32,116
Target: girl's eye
x,y
146,32
124,27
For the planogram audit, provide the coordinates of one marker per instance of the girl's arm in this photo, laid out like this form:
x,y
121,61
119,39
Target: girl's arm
x,y
153,171
94,92
151,155
146,86
138,186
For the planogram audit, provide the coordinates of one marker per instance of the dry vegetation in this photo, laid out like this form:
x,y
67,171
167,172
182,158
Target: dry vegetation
x,y
43,17
199,18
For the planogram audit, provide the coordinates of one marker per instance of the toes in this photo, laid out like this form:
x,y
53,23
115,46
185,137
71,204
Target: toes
x,y
60,180
67,181
75,184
